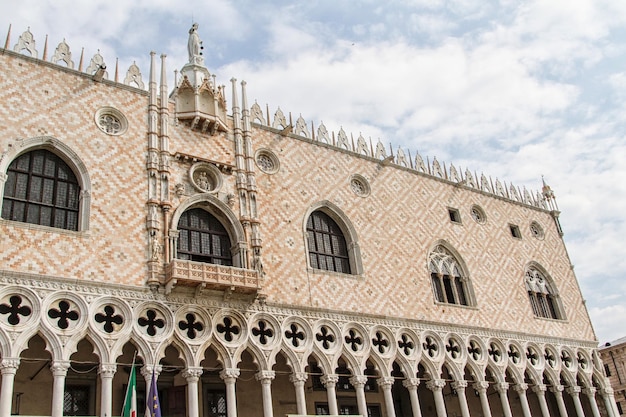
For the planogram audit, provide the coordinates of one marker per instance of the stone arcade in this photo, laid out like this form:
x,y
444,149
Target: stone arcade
x,y
254,280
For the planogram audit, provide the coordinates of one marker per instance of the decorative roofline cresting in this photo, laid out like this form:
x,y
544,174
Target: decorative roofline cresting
x,y
201,104
544,199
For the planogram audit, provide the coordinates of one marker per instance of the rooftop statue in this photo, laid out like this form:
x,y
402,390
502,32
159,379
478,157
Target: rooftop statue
x,y
194,46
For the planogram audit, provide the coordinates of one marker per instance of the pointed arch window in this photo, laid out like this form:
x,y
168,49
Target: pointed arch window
x,y
41,189
449,283
202,238
327,245
542,296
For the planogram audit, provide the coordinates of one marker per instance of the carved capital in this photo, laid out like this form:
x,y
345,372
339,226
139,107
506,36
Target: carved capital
x,y
574,391
557,389
229,375
459,385
502,387
540,389
481,386
330,380
386,382
298,377
192,374
520,388
9,365
107,370
411,383
265,377
59,368
607,391
358,380
146,371
436,384
590,391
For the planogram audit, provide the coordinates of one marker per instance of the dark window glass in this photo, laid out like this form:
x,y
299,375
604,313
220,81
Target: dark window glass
x,y
202,238
327,245
76,400
41,189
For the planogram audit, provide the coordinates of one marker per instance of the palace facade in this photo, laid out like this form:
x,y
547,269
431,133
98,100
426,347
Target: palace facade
x,y
264,266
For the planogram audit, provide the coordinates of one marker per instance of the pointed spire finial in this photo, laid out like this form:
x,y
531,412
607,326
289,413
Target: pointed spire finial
x,y
8,41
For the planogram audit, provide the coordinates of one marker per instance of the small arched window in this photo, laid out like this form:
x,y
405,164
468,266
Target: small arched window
x,y
449,284
327,245
41,189
203,238
543,298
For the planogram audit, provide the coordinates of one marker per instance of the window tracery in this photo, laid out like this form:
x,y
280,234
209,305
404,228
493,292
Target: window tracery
x,y
542,296
449,284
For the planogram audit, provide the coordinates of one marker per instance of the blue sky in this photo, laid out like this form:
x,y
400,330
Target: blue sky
x,y
512,89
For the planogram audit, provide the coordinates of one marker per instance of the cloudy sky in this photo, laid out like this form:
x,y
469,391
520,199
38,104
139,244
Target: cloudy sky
x,y
512,89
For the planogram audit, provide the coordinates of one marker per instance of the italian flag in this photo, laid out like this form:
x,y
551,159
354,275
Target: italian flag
x,y
130,401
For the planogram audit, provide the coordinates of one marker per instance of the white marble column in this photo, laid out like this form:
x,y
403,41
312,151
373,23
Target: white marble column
x,y
558,393
523,399
8,368
591,395
503,389
436,386
229,376
358,382
330,381
540,390
192,375
609,401
106,371
266,377
59,371
459,387
574,392
386,383
481,388
411,384
298,380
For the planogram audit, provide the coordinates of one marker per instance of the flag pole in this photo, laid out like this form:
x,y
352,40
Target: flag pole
x,y
131,394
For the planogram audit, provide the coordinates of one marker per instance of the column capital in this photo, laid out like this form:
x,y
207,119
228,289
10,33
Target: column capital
x,y
481,386
574,391
436,384
192,374
502,387
298,377
607,391
386,382
540,389
59,368
265,376
590,391
411,383
146,370
229,374
358,380
9,365
107,370
459,385
557,389
521,388
329,380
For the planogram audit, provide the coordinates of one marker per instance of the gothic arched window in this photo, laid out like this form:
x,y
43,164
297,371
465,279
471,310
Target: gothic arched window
x,y
203,238
449,284
326,243
542,295
41,189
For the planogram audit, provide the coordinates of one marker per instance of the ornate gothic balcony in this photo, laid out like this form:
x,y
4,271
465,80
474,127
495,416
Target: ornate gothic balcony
x,y
211,276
